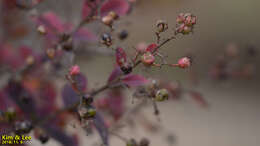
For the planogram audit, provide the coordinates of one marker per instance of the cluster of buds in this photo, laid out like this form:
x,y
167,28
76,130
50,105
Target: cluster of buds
x,y
153,91
133,142
110,18
185,23
106,39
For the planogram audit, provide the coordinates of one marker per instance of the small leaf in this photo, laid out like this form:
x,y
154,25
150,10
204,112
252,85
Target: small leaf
x,y
134,80
101,127
115,74
69,96
120,56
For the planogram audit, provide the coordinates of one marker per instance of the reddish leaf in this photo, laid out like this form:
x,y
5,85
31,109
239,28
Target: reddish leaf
x,y
121,7
101,127
84,34
120,56
134,80
69,96
81,82
115,74
51,22
198,98
151,48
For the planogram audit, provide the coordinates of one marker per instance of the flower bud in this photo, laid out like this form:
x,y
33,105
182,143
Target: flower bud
x,y
74,70
108,20
148,58
161,95
184,62
186,30
161,26
30,60
50,53
180,18
41,29
113,15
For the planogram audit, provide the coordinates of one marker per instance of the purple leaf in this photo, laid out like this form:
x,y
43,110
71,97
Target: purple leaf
x,y
121,7
101,127
84,34
81,81
115,74
69,96
60,135
51,22
134,80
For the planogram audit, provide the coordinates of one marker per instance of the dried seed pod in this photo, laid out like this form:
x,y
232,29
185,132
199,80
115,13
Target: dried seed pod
x,y
123,34
144,142
106,39
68,44
161,26
44,138
162,95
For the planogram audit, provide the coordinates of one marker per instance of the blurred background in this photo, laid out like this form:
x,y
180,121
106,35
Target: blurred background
x,y
232,118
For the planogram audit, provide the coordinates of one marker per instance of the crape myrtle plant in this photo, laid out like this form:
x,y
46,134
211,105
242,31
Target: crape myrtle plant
x,y
29,94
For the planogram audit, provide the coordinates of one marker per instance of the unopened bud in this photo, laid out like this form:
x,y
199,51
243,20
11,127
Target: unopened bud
x,y
148,58
41,29
184,62
108,20
161,95
113,15
50,53
161,26
74,70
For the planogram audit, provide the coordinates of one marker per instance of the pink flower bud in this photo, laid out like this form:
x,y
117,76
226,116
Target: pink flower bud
x,y
74,70
184,62
148,58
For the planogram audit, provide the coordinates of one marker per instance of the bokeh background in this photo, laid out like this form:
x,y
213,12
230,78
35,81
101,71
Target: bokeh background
x,y
233,116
